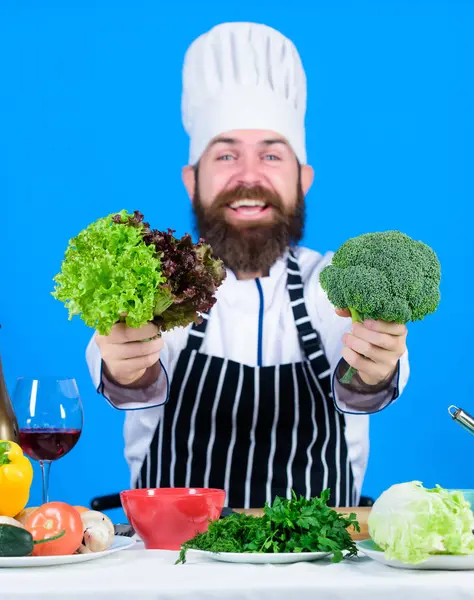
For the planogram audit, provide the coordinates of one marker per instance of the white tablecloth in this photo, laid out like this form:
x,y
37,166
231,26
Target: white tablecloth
x,y
151,575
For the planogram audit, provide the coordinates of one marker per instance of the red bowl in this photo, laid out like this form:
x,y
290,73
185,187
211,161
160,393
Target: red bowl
x,y
165,518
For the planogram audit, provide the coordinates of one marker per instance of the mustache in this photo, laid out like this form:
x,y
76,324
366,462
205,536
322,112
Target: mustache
x,y
244,192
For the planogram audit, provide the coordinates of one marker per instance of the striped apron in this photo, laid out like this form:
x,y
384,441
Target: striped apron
x,y
256,432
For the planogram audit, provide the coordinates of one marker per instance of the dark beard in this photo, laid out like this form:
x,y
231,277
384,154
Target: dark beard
x,y
252,248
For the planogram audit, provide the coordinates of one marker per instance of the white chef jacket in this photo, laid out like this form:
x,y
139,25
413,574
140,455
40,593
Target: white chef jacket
x,y
232,333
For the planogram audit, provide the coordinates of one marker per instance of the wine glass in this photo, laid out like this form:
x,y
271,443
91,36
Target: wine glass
x,y
50,417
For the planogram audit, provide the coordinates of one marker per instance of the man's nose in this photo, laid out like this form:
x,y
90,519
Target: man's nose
x,y
249,171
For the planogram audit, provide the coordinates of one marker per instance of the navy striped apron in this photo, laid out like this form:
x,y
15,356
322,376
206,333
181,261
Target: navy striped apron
x,y
256,432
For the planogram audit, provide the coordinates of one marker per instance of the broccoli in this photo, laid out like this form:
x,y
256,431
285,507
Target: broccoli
x,y
384,276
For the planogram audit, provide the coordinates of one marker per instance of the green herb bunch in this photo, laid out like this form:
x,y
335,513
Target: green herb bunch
x,y
295,525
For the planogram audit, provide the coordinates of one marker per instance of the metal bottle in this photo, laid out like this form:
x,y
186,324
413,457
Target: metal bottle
x,y
8,423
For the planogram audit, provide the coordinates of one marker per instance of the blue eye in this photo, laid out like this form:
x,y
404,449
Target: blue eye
x,y
225,157
271,157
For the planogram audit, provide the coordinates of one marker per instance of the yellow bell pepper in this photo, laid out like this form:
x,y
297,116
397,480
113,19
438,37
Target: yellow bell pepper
x,y
16,476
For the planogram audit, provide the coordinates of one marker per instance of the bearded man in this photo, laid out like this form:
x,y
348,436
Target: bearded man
x,y
250,400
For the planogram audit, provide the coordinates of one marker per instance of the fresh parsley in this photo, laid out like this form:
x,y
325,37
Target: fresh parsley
x,y
295,525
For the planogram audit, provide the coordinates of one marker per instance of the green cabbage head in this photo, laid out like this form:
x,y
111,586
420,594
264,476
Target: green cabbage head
x,y
409,522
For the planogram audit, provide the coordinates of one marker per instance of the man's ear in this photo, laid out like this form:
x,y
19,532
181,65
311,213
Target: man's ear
x,y
307,178
189,179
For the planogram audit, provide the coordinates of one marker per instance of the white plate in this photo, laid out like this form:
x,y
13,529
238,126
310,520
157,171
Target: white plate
x,y
120,543
260,557
437,562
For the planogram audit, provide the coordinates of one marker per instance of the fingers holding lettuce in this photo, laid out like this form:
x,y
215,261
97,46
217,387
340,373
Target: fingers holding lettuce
x,y
128,353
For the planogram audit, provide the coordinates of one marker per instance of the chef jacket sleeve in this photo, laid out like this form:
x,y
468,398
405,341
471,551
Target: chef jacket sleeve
x,y
358,397
153,393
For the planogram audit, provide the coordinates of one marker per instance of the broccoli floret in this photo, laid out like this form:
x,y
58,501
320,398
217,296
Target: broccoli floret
x,y
384,276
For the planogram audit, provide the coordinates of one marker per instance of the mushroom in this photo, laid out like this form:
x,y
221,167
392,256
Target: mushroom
x,y
99,532
24,514
11,521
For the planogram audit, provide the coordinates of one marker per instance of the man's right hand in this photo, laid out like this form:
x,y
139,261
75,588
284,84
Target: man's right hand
x,y
126,357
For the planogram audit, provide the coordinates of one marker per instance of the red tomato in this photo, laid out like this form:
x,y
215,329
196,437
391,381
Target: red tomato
x,y
50,520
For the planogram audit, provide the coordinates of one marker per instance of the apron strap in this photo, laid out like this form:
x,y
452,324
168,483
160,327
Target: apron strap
x,y
309,337
197,333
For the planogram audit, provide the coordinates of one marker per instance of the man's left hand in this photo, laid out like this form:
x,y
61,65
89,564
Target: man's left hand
x,y
374,348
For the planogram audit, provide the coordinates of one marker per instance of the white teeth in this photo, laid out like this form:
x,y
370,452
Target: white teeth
x,y
239,203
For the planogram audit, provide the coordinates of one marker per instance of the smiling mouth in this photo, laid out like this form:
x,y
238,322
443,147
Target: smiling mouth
x,y
248,208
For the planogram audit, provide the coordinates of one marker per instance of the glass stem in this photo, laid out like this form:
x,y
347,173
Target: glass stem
x,y
45,467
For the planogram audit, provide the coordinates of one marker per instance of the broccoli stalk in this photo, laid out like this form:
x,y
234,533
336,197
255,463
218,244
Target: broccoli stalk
x,y
383,276
349,374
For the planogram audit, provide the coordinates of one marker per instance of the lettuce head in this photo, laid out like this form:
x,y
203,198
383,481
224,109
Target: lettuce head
x,y
410,522
118,269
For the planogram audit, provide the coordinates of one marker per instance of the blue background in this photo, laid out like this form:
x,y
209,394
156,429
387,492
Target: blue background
x,y
90,123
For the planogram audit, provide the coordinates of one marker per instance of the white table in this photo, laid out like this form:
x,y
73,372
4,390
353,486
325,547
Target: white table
x,y
151,575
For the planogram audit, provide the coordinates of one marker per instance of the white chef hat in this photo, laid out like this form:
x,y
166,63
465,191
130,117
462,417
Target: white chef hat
x,y
243,76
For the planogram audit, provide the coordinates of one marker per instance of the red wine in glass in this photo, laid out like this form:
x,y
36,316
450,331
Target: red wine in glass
x,y
48,444
49,415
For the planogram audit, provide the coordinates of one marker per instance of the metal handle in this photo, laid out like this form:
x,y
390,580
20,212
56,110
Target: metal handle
x,y
462,417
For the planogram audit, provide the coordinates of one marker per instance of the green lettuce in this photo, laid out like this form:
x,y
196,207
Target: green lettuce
x,y
410,522
118,269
